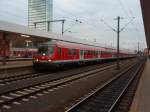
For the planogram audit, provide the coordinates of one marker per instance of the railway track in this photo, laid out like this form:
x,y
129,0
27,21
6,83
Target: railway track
x,y
107,97
8,80
14,96
7,72
15,78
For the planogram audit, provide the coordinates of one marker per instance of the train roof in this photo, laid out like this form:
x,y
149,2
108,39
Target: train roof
x,y
83,47
75,45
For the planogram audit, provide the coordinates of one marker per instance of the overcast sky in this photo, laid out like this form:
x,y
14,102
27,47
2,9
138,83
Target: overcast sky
x,y
91,13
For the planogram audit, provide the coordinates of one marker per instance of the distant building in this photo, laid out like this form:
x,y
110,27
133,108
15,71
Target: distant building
x,y
40,10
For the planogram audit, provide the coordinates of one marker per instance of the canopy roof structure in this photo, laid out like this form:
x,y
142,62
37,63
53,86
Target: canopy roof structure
x,y
23,30
12,28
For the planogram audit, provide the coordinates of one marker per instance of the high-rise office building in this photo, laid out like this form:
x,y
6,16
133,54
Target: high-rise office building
x,y
40,10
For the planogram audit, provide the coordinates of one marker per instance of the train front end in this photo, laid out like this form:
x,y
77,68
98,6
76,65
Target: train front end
x,y
44,57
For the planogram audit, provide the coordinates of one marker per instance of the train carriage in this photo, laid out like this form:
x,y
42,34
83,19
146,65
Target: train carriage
x,y
58,53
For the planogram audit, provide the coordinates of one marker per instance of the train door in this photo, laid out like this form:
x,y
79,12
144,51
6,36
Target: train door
x,y
99,54
59,53
81,54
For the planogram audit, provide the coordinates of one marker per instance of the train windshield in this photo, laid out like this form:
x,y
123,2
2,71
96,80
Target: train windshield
x,y
45,50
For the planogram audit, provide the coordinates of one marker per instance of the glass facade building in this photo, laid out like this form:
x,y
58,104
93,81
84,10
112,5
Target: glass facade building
x,y
40,10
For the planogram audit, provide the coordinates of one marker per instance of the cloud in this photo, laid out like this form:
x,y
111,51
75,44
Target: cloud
x,y
90,12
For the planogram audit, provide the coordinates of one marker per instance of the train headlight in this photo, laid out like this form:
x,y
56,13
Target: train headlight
x,y
44,54
49,60
36,60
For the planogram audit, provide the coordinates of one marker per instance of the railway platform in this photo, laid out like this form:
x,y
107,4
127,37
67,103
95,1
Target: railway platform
x,y
141,102
15,64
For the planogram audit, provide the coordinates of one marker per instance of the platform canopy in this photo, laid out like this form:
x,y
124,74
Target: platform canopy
x,y
145,5
12,28
24,30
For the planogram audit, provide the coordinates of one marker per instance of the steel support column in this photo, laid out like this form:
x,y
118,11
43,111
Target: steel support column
x,y
5,48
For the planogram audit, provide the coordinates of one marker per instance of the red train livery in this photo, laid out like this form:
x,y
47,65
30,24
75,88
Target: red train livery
x,y
57,53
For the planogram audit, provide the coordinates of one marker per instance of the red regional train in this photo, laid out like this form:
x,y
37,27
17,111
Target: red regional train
x,y
58,53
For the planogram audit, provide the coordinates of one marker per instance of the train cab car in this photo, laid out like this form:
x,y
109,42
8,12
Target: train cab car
x,y
59,53
55,54
45,54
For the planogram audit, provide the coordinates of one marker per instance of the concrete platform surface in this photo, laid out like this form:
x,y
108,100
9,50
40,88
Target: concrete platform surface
x,y
141,102
15,64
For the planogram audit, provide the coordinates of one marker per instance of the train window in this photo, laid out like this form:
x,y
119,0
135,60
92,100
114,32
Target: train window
x,y
96,52
81,52
59,51
69,52
88,52
45,50
75,51
72,52
91,52
99,52
51,50
102,52
85,52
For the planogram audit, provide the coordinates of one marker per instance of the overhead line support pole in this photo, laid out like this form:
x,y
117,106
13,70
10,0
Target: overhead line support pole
x,y
118,35
138,47
118,38
63,26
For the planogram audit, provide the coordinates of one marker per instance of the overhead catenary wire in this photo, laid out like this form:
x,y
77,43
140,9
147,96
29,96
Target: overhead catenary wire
x,y
90,21
72,25
129,15
137,28
127,24
108,25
